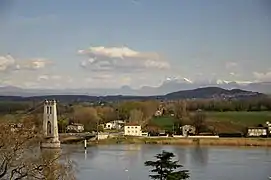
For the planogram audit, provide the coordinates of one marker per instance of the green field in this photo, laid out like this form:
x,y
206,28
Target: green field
x,y
242,118
224,121
164,122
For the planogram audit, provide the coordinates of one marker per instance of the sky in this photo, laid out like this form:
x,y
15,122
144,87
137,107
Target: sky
x,y
109,44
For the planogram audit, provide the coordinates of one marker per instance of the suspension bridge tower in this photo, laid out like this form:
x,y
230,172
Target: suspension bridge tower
x,y
50,126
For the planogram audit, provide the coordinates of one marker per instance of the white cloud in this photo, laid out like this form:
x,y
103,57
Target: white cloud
x,y
8,63
262,76
231,65
121,59
53,77
43,77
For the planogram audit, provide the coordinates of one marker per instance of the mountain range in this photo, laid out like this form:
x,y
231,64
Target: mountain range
x,y
199,93
166,87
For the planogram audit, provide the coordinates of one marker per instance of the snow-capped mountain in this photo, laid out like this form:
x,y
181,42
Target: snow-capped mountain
x,y
168,86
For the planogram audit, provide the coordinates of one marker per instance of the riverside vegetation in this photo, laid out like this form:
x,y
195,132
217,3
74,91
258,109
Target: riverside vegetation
x,y
221,116
266,142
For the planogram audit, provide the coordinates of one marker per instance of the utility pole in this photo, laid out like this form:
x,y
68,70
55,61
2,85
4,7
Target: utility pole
x,y
97,130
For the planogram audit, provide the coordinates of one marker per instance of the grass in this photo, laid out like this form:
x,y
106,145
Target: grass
x,y
164,122
241,118
224,121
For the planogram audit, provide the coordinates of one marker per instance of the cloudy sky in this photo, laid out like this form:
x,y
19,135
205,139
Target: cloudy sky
x,y
112,43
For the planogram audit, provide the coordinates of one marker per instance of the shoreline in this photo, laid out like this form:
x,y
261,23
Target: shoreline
x,y
263,142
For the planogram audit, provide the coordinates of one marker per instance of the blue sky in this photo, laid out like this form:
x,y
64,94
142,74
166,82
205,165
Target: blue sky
x,y
143,42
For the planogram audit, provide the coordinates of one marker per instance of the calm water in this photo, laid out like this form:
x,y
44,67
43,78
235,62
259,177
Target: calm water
x,y
121,162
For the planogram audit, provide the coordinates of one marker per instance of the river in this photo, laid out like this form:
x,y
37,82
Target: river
x,y
123,162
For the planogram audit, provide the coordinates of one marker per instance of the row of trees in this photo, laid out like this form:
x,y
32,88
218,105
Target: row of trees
x,y
132,111
91,117
259,104
254,104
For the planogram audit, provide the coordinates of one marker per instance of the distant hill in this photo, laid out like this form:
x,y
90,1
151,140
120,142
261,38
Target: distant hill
x,y
199,93
171,85
213,93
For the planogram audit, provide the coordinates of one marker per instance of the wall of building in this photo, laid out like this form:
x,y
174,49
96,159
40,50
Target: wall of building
x,y
132,131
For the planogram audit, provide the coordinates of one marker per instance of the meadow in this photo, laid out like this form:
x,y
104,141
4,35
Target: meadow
x,y
224,121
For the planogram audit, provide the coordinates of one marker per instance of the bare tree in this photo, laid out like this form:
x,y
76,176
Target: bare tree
x,y
198,121
136,116
21,158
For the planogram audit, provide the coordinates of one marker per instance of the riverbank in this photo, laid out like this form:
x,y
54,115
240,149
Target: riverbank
x,y
265,142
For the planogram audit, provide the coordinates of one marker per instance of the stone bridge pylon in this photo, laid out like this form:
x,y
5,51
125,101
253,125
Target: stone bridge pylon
x,y
50,126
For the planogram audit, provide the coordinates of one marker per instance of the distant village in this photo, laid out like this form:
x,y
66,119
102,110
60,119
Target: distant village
x,y
127,128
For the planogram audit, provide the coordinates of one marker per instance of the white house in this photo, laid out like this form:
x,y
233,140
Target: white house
x,y
116,124
256,131
132,129
75,127
188,130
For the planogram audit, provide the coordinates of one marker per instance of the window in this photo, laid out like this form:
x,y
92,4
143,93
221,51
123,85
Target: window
x,y
128,131
128,127
136,127
132,127
135,131
49,128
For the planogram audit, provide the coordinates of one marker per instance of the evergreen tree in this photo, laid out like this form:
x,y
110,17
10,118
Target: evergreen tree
x,y
166,169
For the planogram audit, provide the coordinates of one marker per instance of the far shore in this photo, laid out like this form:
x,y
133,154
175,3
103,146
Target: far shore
x,y
263,142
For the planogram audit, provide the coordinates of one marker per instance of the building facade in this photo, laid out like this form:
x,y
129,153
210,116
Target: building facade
x,y
257,131
75,127
132,129
116,124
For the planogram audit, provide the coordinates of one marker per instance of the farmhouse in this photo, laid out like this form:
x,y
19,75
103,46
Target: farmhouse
x,y
188,130
257,131
132,129
116,124
75,127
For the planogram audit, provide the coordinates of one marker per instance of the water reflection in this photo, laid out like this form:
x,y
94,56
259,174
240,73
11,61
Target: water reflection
x,y
181,154
199,155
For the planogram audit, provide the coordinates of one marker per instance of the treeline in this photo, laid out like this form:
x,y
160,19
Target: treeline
x,y
9,107
255,104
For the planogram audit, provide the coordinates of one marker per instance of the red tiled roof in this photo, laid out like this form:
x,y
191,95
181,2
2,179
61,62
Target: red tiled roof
x,y
132,124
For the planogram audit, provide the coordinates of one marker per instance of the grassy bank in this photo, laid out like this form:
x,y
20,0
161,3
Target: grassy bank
x,y
189,141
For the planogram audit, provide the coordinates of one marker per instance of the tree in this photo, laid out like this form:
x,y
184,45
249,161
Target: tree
x,y
20,157
87,116
180,113
198,121
62,124
136,116
106,114
166,169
